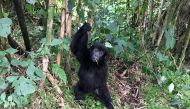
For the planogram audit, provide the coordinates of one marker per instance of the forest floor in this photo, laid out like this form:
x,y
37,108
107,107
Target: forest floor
x,y
125,83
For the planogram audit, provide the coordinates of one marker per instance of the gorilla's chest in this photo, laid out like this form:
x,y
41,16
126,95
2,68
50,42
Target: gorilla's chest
x,y
92,76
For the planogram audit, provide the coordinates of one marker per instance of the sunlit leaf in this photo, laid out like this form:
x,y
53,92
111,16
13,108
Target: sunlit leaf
x,y
10,98
107,44
31,1
6,104
162,80
171,88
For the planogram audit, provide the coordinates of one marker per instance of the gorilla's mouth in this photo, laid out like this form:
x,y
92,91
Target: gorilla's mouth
x,y
95,60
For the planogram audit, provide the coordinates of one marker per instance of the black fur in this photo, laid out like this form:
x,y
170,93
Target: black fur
x,y
92,75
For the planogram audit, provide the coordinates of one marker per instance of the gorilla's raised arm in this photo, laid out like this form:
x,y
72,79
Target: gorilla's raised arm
x,y
79,43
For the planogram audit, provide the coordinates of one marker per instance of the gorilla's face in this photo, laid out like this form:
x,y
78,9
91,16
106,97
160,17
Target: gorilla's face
x,y
97,53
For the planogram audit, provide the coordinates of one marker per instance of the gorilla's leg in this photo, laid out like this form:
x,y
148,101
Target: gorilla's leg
x,y
79,92
104,96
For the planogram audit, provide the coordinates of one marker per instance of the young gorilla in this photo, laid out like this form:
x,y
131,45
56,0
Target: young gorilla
x,y
93,67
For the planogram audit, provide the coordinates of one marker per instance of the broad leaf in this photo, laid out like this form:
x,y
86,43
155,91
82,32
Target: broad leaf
x,y
175,102
3,84
161,57
11,50
31,1
10,98
11,78
3,96
34,73
24,86
56,69
16,62
108,45
112,26
5,27
170,38
55,42
171,87
162,80
4,62
20,100
71,4
65,44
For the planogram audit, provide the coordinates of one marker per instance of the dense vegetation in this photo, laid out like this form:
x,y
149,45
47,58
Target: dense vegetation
x,y
148,43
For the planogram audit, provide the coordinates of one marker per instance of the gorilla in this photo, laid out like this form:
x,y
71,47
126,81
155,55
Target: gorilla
x,y
93,67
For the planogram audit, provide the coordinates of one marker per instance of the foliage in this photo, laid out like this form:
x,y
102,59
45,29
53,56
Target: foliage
x,y
127,28
56,69
22,86
5,27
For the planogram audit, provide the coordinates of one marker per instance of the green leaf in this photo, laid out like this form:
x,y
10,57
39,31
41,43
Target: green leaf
x,y
56,69
175,102
121,44
24,86
71,4
105,30
3,84
34,73
11,50
65,44
10,98
4,62
5,27
112,26
80,12
16,62
170,37
55,42
107,44
162,80
161,57
11,78
2,53
118,49
171,88
20,100
6,104
3,96
31,1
